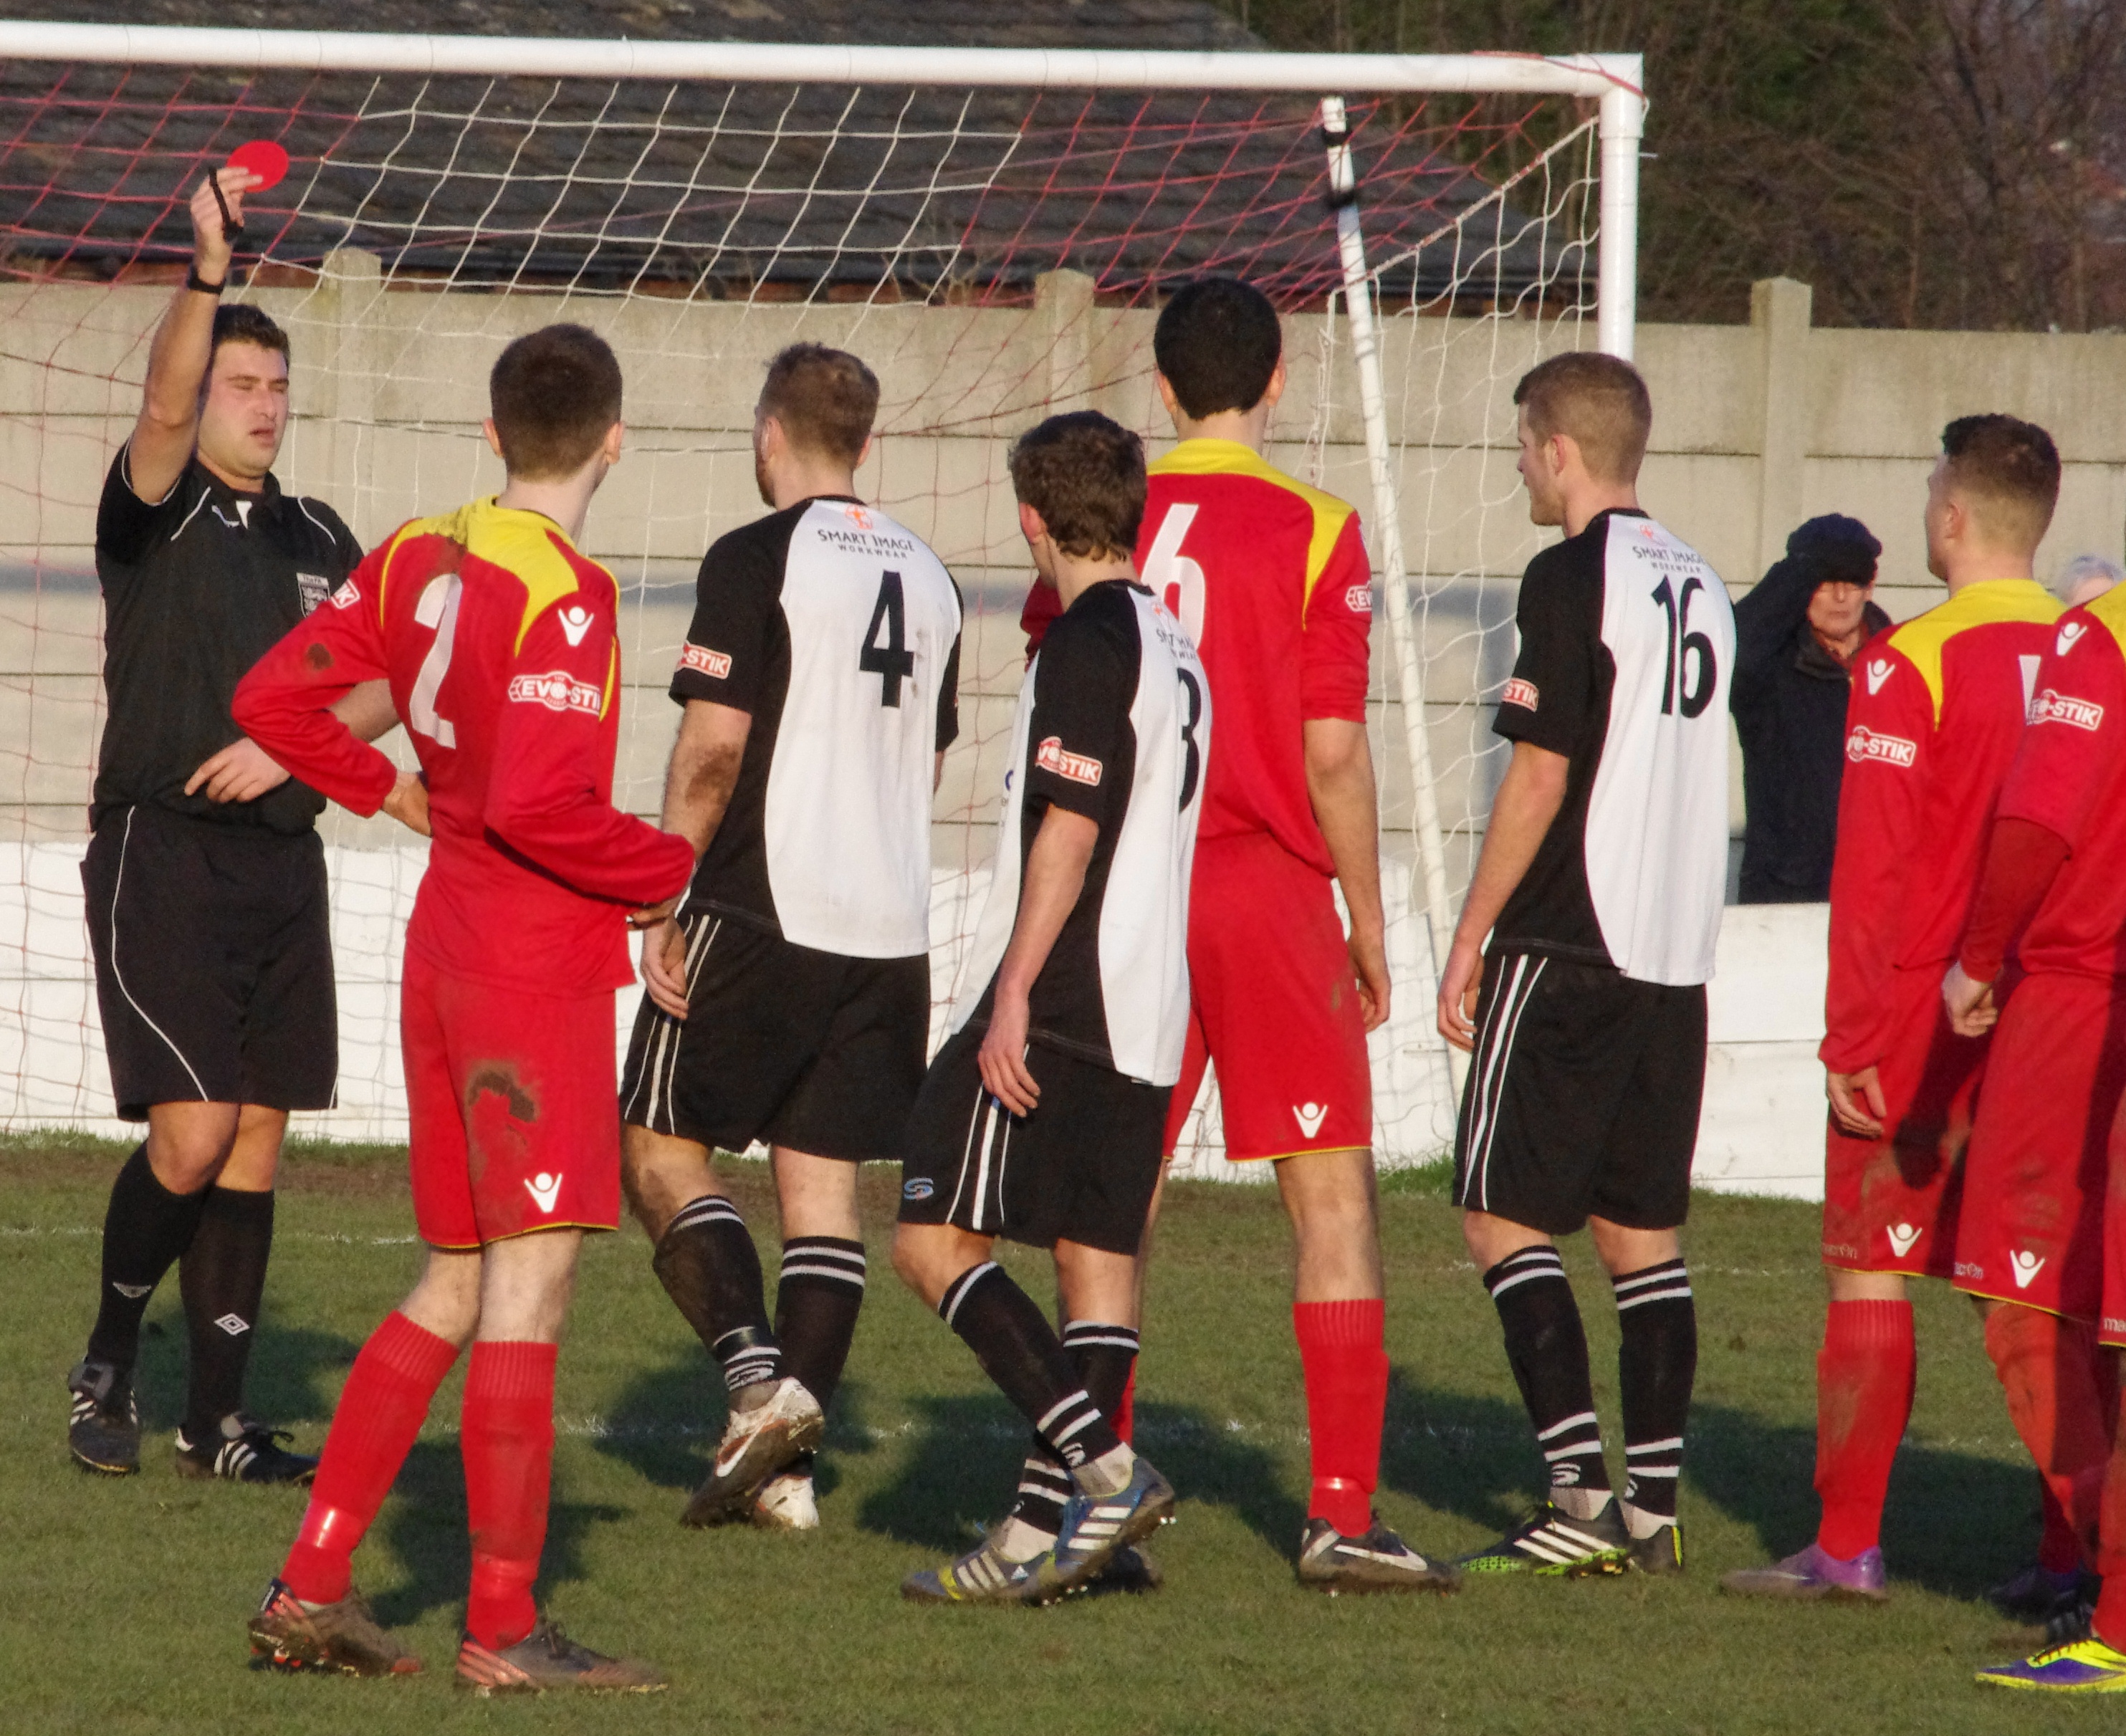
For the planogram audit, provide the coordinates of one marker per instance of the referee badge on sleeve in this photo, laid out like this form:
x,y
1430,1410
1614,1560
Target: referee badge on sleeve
x,y
314,587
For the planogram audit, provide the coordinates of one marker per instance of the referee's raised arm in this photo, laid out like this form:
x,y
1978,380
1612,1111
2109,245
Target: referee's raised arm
x,y
167,427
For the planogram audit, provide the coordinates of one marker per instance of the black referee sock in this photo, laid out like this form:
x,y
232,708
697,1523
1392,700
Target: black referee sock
x,y
709,1268
1547,1348
223,1278
1657,1364
1103,1355
1018,1350
817,1300
145,1227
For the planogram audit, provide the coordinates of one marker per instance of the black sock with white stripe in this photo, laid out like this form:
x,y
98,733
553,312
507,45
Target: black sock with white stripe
x,y
817,1300
1018,1349
1547,1346
145,1227
1656,1365
1103,1355
709,1268
223,1278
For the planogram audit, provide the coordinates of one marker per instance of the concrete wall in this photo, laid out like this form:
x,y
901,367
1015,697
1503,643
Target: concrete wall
x,y
1756,428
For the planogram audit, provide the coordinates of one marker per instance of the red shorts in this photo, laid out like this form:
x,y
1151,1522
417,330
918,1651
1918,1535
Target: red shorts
x,y
2034,1180
1274,1006
1890,1204
514,1106
2111,1323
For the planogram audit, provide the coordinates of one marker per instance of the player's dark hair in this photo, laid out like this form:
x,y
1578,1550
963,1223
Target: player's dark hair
x,y
825,399
1217,343
239,321
1084,475
554,393
2011,470
1599,401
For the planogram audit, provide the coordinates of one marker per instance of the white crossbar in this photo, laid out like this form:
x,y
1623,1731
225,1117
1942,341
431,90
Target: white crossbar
x,y
796,63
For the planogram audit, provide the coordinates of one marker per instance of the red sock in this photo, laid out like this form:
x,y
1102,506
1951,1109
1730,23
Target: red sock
x,y
1864,1398
507,1441
1124,1419
2059,1550
380,1413
2049,1371
1347,1396
2109,1623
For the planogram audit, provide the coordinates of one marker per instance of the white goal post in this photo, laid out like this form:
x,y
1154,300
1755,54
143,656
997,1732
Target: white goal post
x,y
1542,215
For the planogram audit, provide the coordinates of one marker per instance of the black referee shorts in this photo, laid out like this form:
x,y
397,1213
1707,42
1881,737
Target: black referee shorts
x,y
1582,1097
1082,1167
810,1051
213,965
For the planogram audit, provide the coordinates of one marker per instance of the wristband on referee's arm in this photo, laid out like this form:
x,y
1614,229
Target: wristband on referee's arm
x,y
193,280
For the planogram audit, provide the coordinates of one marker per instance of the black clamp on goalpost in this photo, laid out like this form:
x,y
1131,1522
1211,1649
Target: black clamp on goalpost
x,y
1343,168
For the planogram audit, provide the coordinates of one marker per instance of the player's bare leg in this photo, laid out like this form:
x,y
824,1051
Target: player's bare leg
x,y
818,1295
706,1262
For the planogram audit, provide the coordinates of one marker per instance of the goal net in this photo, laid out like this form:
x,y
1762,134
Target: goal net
x,y
991,233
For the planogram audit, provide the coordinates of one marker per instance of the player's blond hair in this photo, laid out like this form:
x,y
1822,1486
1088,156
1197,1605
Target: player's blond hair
x,y
1598,402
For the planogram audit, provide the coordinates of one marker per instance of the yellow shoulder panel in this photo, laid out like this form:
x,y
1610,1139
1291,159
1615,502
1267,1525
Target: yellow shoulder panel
x,y
446,526
2110,609
1923,637
1229,458
521,544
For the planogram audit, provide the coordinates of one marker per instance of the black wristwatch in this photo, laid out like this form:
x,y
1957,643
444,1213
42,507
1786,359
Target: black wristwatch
x,y
193,280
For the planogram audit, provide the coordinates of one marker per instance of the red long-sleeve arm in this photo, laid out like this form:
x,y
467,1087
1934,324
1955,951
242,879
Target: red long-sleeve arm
x,y
547,797
1881,801
2022,858
284,704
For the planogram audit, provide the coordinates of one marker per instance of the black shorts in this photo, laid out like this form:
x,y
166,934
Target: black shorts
x,y
1582,1099
1082,1167
810,1051
213,965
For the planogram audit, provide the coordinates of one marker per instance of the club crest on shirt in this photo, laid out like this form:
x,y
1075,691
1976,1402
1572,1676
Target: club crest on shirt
x,y
715,664
1519,692
313,588
1880,669
558,691
1052,756
2052,706
2069,632
1864,743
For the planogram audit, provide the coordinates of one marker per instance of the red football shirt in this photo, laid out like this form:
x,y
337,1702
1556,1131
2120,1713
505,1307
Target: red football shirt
x,y
1932,727
498,638
2069,777
1270,578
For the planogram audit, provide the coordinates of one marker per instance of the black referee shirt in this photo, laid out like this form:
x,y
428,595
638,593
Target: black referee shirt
x,y
196,589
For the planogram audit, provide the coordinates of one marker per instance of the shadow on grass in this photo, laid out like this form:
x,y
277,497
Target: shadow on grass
x,y
426,1527
963,1467
1955,1523
295,1376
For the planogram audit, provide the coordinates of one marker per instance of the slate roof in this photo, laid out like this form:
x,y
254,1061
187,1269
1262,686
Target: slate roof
x,y
735,190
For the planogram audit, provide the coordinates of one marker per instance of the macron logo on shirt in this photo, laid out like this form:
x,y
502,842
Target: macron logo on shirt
x,y
716,665
1880,670
1863,744
558,691
1519,692
1051,755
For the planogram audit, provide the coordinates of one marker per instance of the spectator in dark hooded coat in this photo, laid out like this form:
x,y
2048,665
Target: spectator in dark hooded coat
x,y
1798,636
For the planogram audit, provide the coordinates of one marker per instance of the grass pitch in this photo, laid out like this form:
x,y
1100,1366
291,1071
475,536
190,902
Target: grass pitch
x,y
124,1603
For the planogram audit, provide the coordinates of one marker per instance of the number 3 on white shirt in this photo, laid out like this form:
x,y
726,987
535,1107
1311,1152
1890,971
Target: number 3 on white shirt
x,y
437,608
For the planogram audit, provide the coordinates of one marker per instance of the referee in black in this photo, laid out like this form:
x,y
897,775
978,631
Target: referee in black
x,y
205,877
